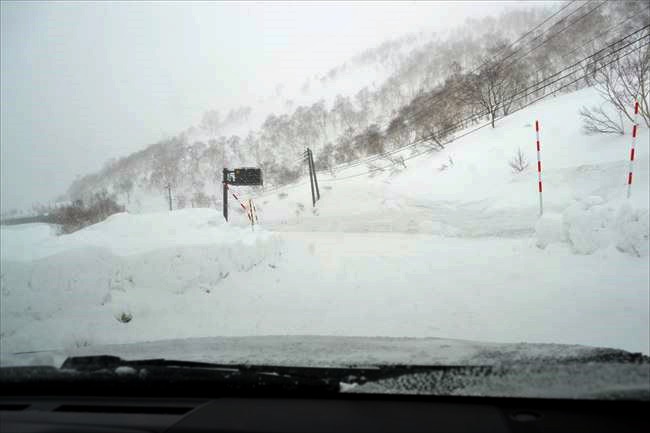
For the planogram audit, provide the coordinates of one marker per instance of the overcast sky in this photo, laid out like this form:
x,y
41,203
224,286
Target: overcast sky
x,y
86,81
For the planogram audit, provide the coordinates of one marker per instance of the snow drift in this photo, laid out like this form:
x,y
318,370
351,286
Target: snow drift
x,y
129,267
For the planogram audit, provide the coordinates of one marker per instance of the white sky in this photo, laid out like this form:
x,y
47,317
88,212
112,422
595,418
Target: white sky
x,y
86,81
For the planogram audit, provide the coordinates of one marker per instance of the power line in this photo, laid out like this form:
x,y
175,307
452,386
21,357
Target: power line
x,y
544,22
416,115
485,112
604,33
514,111
559,32
485,61
526,93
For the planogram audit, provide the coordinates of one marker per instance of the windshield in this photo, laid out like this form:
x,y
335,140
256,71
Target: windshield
x,y
330,184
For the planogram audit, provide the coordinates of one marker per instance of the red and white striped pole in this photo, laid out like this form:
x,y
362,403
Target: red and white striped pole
x,y
635,128
239,201
539,170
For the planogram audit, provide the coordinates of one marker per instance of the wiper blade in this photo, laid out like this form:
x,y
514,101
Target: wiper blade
x,y
359,374
112,374
94,363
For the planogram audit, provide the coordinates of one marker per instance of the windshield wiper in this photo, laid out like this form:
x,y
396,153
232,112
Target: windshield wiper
x,y
117,374
114,375
111,375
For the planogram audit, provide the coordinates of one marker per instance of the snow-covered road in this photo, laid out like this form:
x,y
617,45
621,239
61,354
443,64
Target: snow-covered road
x,y
488,289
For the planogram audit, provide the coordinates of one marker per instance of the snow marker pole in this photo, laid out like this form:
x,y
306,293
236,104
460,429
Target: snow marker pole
x,y
240,203
635,128
255,212
539,171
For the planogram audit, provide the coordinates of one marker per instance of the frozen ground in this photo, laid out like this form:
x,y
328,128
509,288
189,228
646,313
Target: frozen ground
x,y
457,253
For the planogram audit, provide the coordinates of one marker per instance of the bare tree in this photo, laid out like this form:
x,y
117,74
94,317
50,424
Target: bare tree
x,y
125,185
398,131
518,163
493,87
621,83
166,158
596,120
211,122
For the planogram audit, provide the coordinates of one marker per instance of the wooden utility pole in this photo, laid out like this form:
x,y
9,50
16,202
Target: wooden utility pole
x,y
311,178
313,169
169,195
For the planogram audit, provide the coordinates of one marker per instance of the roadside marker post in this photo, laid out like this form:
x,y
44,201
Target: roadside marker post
x,y
635,129
539,170
246,176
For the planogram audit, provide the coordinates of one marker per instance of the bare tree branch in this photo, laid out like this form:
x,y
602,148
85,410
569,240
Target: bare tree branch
x,y
595,120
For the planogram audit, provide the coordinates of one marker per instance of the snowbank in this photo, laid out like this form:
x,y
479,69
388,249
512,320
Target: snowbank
x,y
123,270
128,234
632,229
550,229
592,224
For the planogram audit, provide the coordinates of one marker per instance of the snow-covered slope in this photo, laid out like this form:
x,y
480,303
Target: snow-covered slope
x,y
454,253
469,190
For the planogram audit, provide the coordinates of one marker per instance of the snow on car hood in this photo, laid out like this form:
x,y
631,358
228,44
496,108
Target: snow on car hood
x,y
332,351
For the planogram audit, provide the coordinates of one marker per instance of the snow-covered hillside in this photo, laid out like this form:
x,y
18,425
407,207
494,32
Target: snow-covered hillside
x,y
469,190
458,252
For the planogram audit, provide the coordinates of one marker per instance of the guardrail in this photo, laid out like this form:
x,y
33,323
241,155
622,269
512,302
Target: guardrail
x,y
28,220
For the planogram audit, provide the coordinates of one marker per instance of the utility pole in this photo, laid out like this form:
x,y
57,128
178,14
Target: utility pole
x,y
311,178
169,195
313,169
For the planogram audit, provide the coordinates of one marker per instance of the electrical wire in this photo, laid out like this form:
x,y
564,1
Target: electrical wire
x,y
417,114
482,113
488,123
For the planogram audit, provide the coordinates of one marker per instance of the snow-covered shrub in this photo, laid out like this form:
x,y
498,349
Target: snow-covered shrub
x,y
592,224
78,215
124,317
633,231
518,163
589,224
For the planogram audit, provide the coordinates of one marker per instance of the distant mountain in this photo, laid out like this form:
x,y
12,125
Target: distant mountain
x,y
418,86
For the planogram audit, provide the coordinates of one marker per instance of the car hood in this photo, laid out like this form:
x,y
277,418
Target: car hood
x,y
333,351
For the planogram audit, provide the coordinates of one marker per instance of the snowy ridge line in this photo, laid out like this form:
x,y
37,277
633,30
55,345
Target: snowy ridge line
x,y
525,93
427,151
